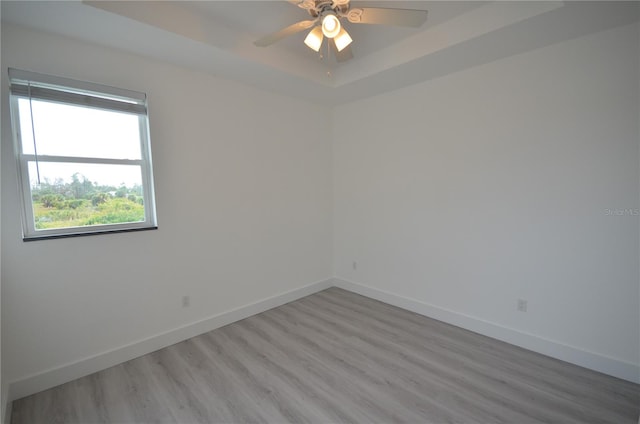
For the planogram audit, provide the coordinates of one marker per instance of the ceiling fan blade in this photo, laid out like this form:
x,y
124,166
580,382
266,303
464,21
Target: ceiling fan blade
x,y
338,3
343,55
303,4
397,17
283,33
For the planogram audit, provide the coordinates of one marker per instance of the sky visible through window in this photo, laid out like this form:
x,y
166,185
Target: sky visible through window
x,y
67,130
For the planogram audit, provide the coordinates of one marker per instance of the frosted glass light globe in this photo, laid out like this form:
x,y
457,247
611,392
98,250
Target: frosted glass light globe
x,y
330,26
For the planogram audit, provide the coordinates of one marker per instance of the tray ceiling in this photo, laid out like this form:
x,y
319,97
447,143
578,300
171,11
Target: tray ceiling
x,y
217,37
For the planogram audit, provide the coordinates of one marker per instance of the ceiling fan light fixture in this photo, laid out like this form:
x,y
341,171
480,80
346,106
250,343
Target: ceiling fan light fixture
x,y
326,21
342,40
331,25
314,39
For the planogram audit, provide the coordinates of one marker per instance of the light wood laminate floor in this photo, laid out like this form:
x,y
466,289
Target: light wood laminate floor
x,y
338,357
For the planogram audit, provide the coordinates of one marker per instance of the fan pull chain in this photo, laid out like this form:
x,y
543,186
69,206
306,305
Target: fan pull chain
x,y
33,132
328,61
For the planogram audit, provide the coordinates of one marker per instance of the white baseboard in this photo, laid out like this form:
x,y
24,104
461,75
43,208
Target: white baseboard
x,y
601,363
68,372
7,406
7,413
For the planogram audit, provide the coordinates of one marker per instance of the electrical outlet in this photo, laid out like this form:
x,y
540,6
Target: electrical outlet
x,y
522,305
186,301
355,265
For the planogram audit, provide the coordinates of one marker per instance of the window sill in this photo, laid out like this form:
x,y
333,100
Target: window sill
x,y
92,233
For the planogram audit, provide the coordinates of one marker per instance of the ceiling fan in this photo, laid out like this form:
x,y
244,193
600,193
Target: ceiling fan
x,y
325,22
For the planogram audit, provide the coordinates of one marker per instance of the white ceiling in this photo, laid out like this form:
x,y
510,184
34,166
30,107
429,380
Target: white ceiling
x,y
217,37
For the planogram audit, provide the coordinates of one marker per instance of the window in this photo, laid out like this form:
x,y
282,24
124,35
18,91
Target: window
x,y
84,161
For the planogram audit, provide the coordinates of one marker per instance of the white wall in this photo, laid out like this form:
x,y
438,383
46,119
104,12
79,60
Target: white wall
x,y
3,382
463,194
243,190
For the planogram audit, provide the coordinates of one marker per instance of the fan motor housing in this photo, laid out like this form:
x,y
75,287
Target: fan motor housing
x,y
320,7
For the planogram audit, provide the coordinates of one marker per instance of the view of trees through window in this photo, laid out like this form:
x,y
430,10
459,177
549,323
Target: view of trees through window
x,y
81,202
